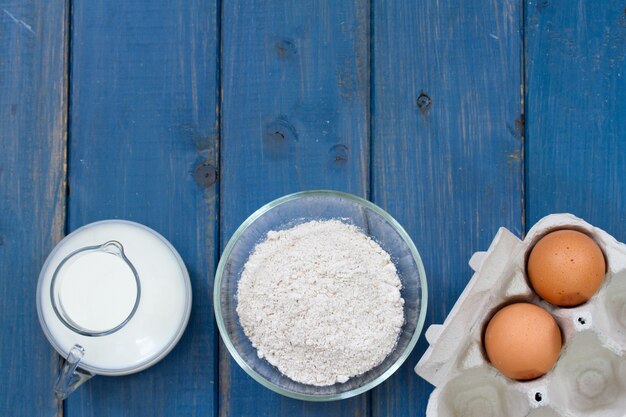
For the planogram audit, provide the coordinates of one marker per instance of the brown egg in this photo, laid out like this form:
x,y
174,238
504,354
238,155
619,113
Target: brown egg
x,y
523,341
566,268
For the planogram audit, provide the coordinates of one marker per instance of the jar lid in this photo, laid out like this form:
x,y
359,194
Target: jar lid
x,y
117,289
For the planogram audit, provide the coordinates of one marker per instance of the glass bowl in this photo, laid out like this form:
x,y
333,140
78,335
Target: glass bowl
x,y
287,212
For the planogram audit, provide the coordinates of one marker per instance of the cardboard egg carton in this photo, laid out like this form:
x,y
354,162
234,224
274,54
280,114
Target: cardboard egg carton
x,y
589,379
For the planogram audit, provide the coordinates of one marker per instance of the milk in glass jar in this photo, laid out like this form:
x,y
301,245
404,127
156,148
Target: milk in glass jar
x,y
113,298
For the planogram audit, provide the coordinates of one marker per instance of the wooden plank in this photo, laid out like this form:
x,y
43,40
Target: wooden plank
x,y
576,126
143,143
295,116
33,114
446,146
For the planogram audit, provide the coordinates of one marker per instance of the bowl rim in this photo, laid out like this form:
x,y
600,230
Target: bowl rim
x,y
258,377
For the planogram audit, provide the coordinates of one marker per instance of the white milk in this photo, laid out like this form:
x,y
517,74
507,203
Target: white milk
x,y
97,291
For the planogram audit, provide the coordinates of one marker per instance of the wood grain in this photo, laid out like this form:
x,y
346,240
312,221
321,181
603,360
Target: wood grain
x,y
442,151
143,147
446,146
295,116
33,111
576,123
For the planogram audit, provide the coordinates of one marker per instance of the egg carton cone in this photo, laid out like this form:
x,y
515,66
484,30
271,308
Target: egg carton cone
x,y
589,378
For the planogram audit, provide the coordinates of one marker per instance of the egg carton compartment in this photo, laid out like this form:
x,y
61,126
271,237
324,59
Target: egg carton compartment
x,y
544,412
478,392
589,378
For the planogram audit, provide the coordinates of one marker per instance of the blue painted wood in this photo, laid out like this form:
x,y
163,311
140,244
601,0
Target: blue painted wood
x,y
295,116
33,110
446,146
143,143
445,152
576,123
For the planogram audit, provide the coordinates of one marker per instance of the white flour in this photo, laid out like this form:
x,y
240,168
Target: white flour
x,y
321,302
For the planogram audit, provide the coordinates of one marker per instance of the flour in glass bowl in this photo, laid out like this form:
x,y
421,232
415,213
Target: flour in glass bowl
x,y
321,302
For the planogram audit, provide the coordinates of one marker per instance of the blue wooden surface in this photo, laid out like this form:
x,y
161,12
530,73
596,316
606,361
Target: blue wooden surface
x,y
446,156
142,137
295,116
188,115
576,111
33,110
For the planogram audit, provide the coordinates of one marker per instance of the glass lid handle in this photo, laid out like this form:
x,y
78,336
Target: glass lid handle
x,y
71,377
